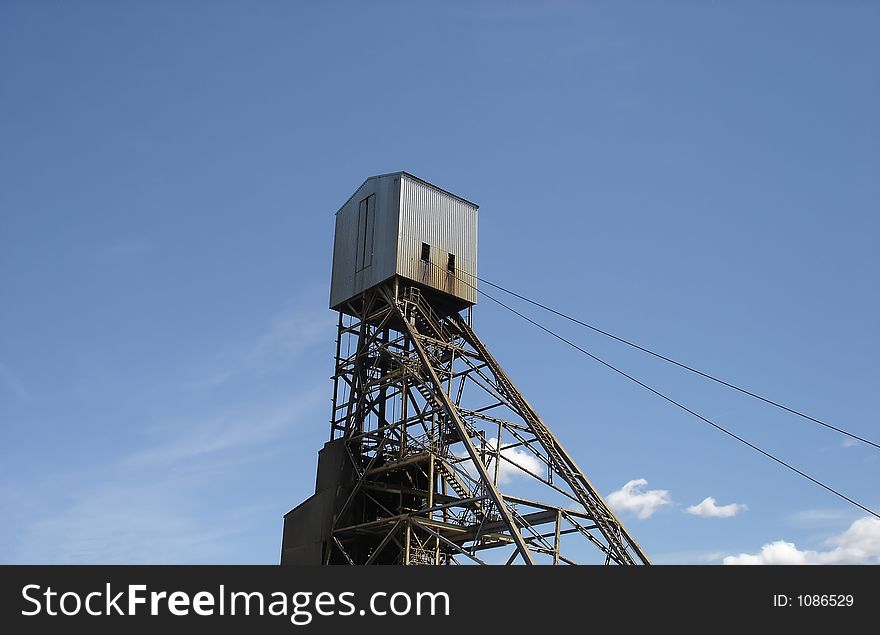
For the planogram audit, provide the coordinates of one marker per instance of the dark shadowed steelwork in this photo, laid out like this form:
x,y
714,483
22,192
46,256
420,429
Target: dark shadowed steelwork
x,y
434,455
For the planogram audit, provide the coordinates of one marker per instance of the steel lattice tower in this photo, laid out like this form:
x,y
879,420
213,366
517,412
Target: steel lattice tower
x,y
434,455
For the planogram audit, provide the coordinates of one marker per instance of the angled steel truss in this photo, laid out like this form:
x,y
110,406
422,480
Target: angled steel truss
x,y
436,434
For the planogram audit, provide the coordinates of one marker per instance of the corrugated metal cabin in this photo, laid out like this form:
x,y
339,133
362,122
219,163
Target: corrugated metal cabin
x,y
398,225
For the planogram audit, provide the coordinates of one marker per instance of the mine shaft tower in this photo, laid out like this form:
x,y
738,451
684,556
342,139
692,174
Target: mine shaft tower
x,y
434,456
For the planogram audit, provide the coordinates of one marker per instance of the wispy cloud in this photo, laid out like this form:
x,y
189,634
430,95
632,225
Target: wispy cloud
x,y
125,523
688,557
849,442
512,11
860,544
11,383
709,508
157,505
820,517
248,427
632,498
126,249
199,474
293,331
284,338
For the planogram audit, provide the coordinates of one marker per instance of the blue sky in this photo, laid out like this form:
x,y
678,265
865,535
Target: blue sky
x,y
699,177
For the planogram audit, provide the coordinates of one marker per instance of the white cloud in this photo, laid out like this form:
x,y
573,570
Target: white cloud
x,y
849,442
860,544
709,508
514,462
693,556
631,498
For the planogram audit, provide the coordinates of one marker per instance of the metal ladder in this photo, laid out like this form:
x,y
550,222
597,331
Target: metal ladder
x,y
427,322
458,486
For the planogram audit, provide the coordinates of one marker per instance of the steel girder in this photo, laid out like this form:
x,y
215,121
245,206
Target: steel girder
x,y
438,438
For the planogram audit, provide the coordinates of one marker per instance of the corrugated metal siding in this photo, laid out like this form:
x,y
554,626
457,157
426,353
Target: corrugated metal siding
x,y
342,277
409,212
446,223
346,281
